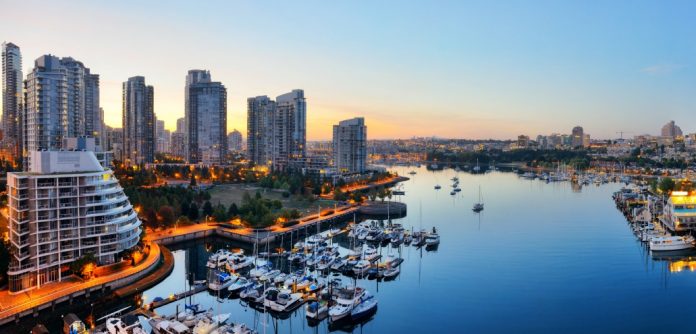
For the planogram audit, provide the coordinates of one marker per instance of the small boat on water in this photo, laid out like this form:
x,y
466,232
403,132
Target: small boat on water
x,y
345,302
317,310
221,281
478,207
361,267
438,187
366,307
671,243
413,172
241,284
390,273
432,238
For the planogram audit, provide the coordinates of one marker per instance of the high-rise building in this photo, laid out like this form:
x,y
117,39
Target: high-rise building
x,y
181,125
84,116
234,141
276,130
46,105
65,206
113,141
163,137
289,129
138,122
350,146
206,119
576,137
260,115
12,98
671,130
178,144
61,101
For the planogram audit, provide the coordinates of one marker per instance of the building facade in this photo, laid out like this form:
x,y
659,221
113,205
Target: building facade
x,y
206,119
260,112
289,129
138,122
671,130
12,98
576,137
61,101
235,141
163,137
277,130
350,146
65,206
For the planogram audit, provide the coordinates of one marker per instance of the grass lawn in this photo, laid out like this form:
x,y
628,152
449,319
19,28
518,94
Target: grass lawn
x,y
232,193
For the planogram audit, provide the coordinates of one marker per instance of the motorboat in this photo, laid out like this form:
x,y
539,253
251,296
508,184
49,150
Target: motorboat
x,y
432,238
391,272
366,307
361,267
166,326
241,284
317,310
260,270
269,276
345,302
218,259
221,281
280,278
117,326
281,300
671,243
238,262
370,254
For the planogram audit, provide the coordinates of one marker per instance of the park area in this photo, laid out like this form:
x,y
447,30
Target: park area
x,y
227,194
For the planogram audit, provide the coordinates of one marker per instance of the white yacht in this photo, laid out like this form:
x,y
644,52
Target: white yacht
x,y
281,300
370,254
238,262
218,258
361,267
346,301
658,244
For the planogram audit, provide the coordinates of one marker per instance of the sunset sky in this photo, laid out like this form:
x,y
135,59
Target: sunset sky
x,y
470,69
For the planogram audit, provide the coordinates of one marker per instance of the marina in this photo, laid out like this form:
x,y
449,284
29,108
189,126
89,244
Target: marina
x,y
478,253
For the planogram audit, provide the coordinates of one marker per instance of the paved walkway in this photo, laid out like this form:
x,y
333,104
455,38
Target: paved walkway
x,y
13,304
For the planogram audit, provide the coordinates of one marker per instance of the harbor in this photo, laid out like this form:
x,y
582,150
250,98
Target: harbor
x,y
478,253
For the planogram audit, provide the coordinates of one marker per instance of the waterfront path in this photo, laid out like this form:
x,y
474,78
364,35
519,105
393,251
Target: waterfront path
x,y
15,306
243,234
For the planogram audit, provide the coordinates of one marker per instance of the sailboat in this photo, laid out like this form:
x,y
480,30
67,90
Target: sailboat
x,y
477,168
478,207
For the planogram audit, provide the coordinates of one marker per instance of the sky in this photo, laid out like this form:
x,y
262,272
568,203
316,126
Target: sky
x,y
463,69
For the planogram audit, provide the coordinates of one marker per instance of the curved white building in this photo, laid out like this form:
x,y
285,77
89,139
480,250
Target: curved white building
x,y
67,205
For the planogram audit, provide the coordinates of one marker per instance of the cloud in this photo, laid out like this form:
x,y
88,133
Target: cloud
x,y
661,69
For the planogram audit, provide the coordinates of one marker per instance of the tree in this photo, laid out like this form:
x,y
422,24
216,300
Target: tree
x,y
666,185
166,215
184,209
207,208
78,266
193,212
233,211
220,213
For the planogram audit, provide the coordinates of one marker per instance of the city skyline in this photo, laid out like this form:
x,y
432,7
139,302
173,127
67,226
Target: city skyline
x,y
547,68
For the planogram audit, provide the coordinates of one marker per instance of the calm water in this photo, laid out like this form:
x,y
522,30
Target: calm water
x,y
540,258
